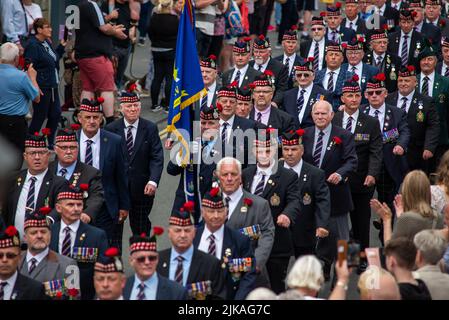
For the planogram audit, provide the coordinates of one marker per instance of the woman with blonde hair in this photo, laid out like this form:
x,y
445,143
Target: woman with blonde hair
x,y
413,208
440,191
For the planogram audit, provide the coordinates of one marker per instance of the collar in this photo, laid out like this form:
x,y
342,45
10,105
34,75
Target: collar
x,y
430,76
230,121
353,21
11,280
266,111
236,195
147,282
268,171
419,26
381,108
326,130
336,71
95,138
135,124
219,234
243,70
297,168
74,226
378,55
408,34
435,22
212,87
69,168
359,66
382,9
292,57
409,96
337,30
308,88
39,177
39,257
354,116
264,65
187,255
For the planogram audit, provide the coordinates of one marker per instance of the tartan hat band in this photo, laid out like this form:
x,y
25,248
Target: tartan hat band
x,y
129,99
88,108
35,144
38,223
69,138
243,98
180,222
143,246
291,142
212,204
70,196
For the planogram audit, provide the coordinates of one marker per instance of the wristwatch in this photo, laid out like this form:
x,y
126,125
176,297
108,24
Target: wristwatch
x,y
342,284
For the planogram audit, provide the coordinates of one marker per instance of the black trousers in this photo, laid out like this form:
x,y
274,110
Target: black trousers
x,y
302,251
139,215
163,69
267,17
415,160
277,271
361,218
289,18
113,229
14,130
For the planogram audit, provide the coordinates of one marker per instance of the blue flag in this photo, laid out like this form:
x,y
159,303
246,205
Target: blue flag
x,y
187,88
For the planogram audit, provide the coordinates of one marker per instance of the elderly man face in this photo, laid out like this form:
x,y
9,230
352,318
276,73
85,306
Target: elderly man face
x,y
243,108
37,238
261,56
334,59
262,96
317,32
69,209
322,114
229,176
110,285
351,100
292,154
209,75
241,59
66,152
181,237
90,122
144,263
37,159
406,85
214,218
376,97
9,261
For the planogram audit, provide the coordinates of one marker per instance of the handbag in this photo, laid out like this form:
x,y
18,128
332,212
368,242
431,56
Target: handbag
x,y
233,22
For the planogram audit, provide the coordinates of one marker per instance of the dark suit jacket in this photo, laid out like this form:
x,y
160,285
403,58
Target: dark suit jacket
x,y
240,246
51,186
250,75
291,76
367,73
289,104
361,26
204,267
280,78
315,205
87,236
433,33
342,159
147,160
113,168
28,289
166,289
278,119
281,191
395,118
390,67
368,146
391,14
94,204
346,34
394,40
425,130
343,75
305,48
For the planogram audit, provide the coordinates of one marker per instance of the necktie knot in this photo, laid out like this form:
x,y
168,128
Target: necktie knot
x,y
211,237
130,127
63,172
259,117
331,73
33,179
376,112
67,229
426,78
321,133
89,142
180,258
287,61
404,99
405,36
354,69
141,286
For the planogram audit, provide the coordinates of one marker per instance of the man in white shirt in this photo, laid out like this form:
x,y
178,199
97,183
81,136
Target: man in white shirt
x,y
289,58
109,277
443,67
316,46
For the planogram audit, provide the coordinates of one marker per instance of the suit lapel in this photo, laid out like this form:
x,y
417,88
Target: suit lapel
x,y
360,123
327,152
16,193
237,208
141,131
80,235
339,119
303,176
271,183
194,268
227,242
103,149
251,172
54,242
44,190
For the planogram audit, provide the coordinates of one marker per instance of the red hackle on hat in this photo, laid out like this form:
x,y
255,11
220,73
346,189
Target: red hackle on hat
x,y
11,231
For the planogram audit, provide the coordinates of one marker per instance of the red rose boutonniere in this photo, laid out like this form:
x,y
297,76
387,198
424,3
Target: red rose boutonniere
x,y
247,202
335,141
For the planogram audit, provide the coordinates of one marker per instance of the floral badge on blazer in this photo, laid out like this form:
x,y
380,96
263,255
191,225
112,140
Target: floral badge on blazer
x,y
247,202
334,142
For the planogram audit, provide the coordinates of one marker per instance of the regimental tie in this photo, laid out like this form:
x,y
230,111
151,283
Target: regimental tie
x,y
3,284
224,137
404,104
316,56
212,247
63,172
349,124
259,117
446,74
425,86
300,101
379,61
318,149
88,159
30,197
33,264
287,62
129,140
334,36
179,270
330,82
351,25
404,52
237,77
67,242
227,201
376,114
141,293
260,186
260,68
204,100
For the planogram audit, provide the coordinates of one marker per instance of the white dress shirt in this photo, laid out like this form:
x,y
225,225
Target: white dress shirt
x,y
291,61
211,93
354,23
39,257
409,100
337,34
234,200
7,290
73,230
268,171
381,115
321,48
95,148
327,75
327,133
19,220
306,100
297,168
354,116
133,130
264,66
242,74
382,9
435,22
401,43
430,82
358,71
396,5
230,122
205,241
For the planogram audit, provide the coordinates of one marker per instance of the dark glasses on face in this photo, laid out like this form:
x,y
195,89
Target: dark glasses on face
x,y
377,92
9,255
303,75
150,258
316,29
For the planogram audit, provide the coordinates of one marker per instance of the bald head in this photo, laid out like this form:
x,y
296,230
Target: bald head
x,y
378,284
322,114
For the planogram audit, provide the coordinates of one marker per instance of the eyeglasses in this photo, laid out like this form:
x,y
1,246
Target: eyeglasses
x,y
65,148
150,259
8,255
303,75
317,29
35,153
377,92
263,92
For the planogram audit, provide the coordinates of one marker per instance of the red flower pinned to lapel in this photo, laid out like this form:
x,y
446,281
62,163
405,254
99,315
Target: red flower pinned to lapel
x,y
337,140
73,293
442,23
248,202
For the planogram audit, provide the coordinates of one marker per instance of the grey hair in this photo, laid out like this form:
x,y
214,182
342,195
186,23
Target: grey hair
x,y
307,272
9,52
431,245
329,106
229,160
261,294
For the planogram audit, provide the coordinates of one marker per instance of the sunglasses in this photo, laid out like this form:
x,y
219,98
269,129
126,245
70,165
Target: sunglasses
x,y
302,75
8,255
377,92
150,259
317,29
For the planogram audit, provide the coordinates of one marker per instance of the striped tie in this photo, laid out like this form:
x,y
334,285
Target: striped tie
x,y
179,270
141,293
211,249
227,200
446,74
3,284
300,101
259,117
260,68
330,82
404,51
376,114
318,148
316,56
349,124
224,135
67,243
129,140
30,197
237,77
88,159
204,101
260,186
404,104
425,86
33,265
63,172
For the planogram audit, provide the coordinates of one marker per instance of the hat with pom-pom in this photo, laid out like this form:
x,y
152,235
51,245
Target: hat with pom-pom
x,y
9,238
111,262
376,82
38,218
213,199
291,34
92,105
183,217
143,242
209,62
292,137
261,42
351,85
242,46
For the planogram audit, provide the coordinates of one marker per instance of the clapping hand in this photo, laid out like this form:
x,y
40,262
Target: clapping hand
x,y
398,205
381,209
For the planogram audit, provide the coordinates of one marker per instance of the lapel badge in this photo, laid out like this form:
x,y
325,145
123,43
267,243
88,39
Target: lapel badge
x,y
359,123
420,116
246,77
244,209
305,177
48,183
306,199
392,74
19,181
164,265
270,182
275,200
83,236
441,97
386,126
